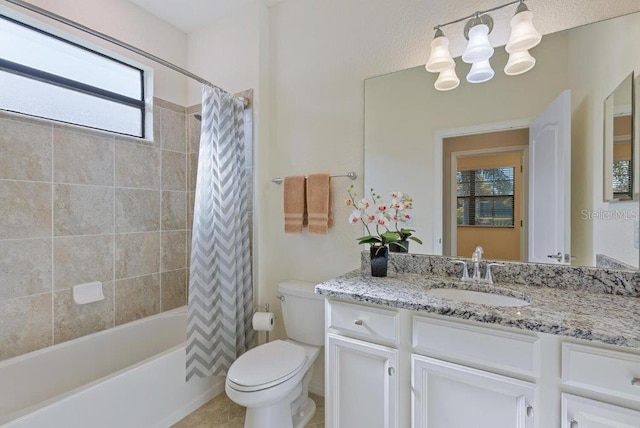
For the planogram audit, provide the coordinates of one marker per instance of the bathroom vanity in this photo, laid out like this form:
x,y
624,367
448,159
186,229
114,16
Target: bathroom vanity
x,y
398,355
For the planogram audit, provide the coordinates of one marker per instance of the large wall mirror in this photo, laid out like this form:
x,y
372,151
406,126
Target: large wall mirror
x,y
517,164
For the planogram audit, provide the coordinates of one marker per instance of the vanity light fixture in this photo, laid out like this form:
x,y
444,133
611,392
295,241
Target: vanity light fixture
x,y
479,51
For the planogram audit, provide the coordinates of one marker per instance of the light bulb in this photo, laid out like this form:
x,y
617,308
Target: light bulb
x,y
480,72
440,58
524,35
478,48
447,80
519,63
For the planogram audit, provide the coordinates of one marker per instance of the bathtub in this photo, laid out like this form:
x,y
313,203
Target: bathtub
x,y
129,376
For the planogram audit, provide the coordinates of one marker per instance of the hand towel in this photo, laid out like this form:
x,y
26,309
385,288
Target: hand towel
x,y
294,204
319,203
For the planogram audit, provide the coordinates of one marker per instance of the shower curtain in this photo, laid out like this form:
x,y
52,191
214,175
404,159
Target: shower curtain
x,y
220,289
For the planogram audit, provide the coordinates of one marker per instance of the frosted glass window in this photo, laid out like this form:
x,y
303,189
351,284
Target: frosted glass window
x,y
46,76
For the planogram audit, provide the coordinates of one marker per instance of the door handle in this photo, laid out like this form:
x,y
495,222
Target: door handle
x,y
558,256
391,371
573,423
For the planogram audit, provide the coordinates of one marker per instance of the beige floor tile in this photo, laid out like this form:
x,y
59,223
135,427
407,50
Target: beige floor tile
x,y
221,412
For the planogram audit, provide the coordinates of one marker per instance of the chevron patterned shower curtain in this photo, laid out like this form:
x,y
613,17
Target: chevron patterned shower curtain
x,y
220,288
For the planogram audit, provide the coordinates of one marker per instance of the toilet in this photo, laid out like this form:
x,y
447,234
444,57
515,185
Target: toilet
x,y
272,380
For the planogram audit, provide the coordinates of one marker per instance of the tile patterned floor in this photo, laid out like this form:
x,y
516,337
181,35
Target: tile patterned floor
x,y
221,412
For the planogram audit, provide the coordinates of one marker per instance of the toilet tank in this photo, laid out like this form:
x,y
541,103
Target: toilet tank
x,y
302,312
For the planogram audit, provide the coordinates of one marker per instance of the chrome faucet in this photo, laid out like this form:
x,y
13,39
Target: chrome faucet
x,y
476,258
488,277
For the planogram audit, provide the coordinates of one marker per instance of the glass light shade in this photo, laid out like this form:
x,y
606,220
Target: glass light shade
x,y
524,35
519,63
440,58
478,48
447,80
480,72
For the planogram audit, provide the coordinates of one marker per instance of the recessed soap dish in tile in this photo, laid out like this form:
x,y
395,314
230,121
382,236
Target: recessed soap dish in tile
x,y
87,293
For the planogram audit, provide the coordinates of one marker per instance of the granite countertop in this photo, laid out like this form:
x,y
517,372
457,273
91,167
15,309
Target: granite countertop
x,y
600,317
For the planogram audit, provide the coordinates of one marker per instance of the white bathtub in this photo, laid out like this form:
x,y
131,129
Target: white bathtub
x,y
129,376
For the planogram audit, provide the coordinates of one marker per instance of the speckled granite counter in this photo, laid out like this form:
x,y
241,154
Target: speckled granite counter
x,y
606,318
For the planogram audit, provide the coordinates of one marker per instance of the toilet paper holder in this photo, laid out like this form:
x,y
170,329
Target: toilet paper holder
x,y
264,308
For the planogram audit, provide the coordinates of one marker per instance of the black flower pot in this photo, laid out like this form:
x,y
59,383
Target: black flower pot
x,y
395,248
379,260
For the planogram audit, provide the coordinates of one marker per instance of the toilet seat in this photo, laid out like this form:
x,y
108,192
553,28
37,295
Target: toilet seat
x,y
266,366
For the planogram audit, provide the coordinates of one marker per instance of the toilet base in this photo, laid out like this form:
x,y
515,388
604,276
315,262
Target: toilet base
x,y
303,417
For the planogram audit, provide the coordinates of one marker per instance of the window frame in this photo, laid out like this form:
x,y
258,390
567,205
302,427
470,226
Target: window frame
x,y
55,80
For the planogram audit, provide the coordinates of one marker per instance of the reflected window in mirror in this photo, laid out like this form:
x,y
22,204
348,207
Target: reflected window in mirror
x,y
486,197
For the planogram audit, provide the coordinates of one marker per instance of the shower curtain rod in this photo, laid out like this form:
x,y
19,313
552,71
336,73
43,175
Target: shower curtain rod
x,y
127,46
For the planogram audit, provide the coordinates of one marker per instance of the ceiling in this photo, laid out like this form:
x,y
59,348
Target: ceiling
x,y
189,15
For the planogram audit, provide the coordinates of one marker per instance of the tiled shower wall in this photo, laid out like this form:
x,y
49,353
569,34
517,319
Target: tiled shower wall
x,y
78,206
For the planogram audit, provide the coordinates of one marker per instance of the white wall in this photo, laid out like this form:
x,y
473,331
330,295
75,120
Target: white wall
x,y
599,69
131,24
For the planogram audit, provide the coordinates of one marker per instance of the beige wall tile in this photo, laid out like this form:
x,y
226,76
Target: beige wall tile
x,y
82,158
25,267
137,254
157,126
71,320
174,171
174,289
174,210
137,210
25,151
190,205
173,131
174,252
137,298
193,171
25,211
193,134
81,259
82,210
26,325
137,165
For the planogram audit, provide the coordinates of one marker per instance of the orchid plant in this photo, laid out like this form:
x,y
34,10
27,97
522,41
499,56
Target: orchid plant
x,y
379,217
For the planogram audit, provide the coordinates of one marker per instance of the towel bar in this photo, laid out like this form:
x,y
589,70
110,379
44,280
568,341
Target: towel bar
x,y
351,175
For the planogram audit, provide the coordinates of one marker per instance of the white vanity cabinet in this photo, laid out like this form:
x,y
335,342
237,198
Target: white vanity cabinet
x,y
449,395
455,395
579,412
397,368
362,382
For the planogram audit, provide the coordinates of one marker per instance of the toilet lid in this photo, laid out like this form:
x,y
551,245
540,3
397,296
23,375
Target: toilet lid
x,y
267,365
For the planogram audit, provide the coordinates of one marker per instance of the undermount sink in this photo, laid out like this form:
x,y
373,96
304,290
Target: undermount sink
x,y
477,297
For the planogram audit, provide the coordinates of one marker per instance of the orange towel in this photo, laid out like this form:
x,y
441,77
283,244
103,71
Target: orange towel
x,y
319,203
294,206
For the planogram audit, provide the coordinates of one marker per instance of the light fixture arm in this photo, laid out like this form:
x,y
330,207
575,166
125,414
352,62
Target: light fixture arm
x,y
480,13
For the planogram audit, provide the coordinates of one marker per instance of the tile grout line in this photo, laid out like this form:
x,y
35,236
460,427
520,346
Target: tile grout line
x,y
113,243
53,307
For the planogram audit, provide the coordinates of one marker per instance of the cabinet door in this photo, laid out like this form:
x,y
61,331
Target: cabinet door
x,y
362,389
578,412
446,395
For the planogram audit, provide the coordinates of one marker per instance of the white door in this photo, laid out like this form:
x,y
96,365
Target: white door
x,y
362,390
550,183
446,395
578,412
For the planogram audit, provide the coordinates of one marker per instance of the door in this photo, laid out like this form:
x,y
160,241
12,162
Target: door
x,y
550,183
362,390
578,412
446,395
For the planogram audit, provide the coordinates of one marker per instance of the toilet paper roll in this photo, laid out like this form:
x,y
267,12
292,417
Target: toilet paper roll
x,y
263,321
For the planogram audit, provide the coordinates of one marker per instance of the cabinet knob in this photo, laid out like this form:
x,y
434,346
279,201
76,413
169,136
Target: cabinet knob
x,y
573,424
635,381
358,322
530,411
391,371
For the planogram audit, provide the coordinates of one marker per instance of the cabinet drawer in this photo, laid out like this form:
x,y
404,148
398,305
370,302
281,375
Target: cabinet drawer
x,y
364,322
601,370
503,350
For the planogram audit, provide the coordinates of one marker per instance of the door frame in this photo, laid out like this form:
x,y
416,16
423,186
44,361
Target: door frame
x,y
453,230
438,180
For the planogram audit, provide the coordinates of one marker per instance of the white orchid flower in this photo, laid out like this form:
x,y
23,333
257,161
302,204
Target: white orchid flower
x,y
354,217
